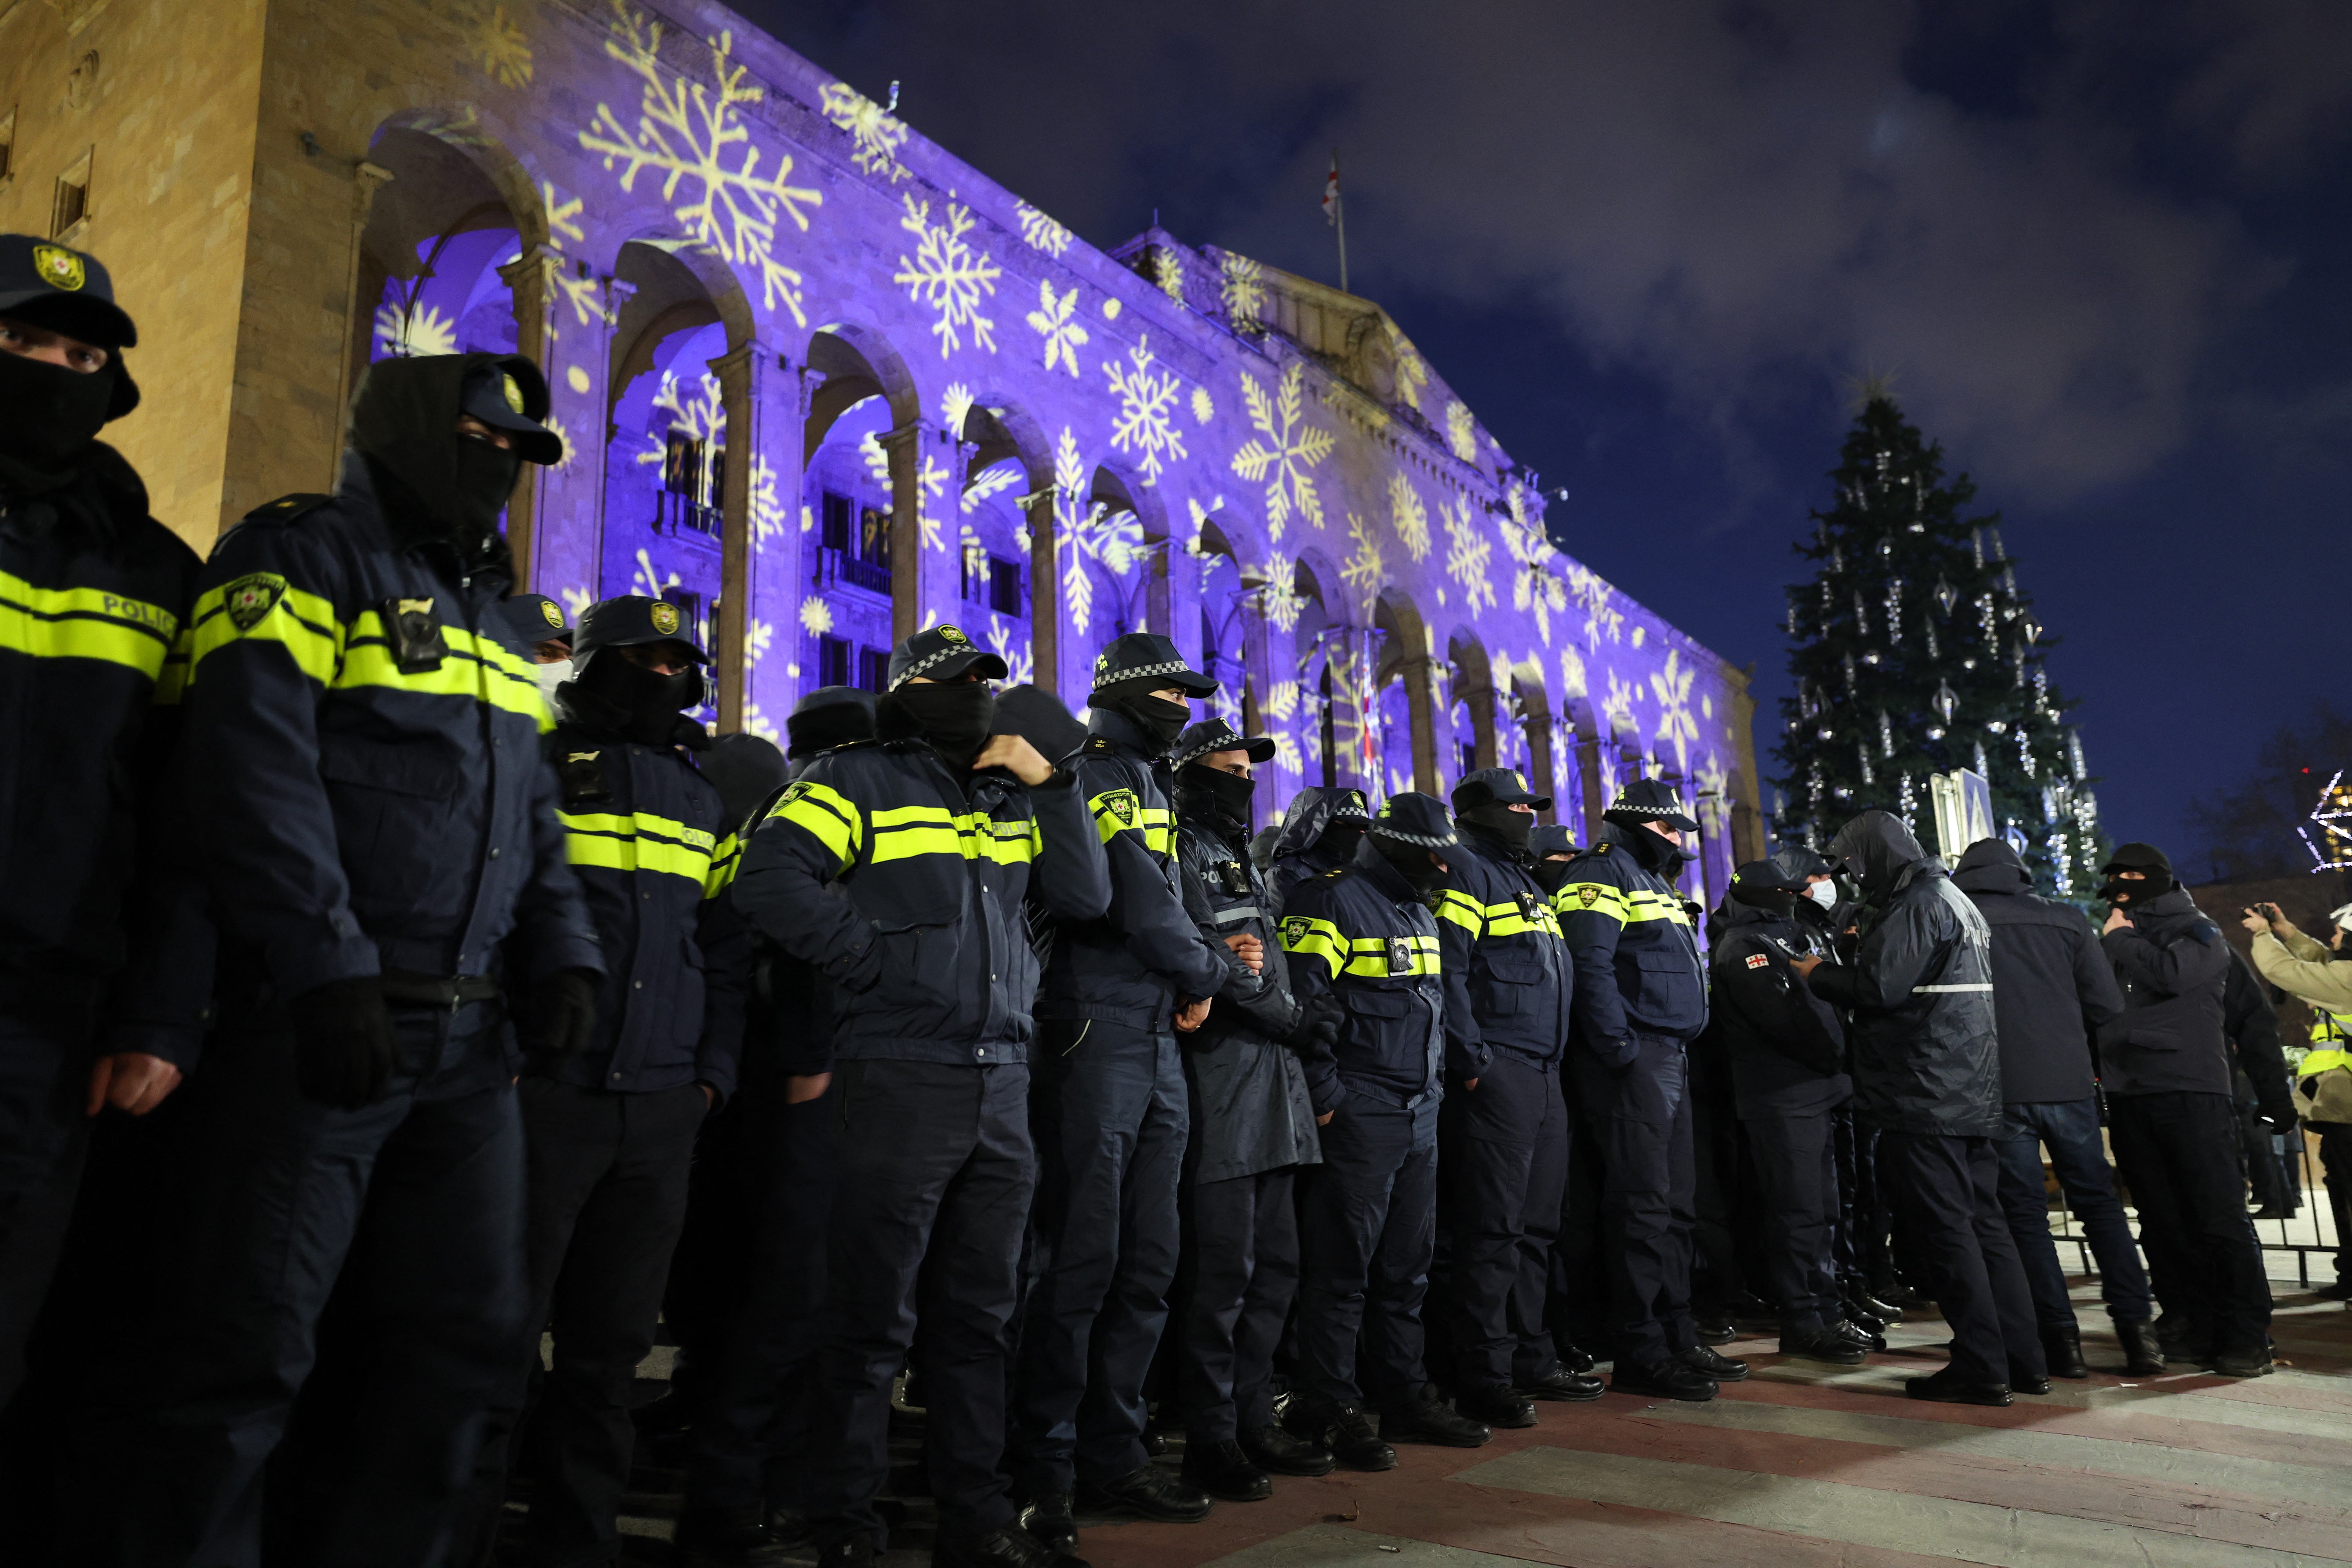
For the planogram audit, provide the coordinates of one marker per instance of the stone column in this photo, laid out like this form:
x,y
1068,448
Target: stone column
x,y
530,281
1044,590
914,570
1419,679
359,328
1540,748
759,427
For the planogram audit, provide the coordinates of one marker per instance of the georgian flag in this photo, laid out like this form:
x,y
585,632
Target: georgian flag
x,y
1331,194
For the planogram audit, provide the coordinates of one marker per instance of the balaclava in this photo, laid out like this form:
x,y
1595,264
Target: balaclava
x,y
1652,853
1501,822
953,716
432,481
1160,720
1411,861
634,703
1226,795
2146,859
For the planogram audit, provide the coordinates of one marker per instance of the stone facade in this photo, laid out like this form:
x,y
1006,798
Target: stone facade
x,y
824,383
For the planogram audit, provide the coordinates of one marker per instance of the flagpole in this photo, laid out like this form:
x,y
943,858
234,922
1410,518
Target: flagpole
x,y
1340,217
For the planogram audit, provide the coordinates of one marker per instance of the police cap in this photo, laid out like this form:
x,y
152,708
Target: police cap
x,y
1496,786
1414,817
1550,838
509,395
1648,800
828,717
631,621
942,653
1139,656
64,289
1210,736
536,618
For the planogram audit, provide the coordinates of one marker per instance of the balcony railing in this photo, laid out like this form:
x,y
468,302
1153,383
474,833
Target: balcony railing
x,y
840,566
675,513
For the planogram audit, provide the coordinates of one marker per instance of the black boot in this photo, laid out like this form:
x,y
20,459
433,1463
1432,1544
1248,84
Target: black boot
x,y
1714,1325
1428,1420
1223,1470
1496,1405
1667,1380
1576,1358
1949,1387
1009,1548
1708,1363
1148,1492
1560,1384
1823,1345
2143,1354
1051,1523
2062,1348
1861,1334
1284,1453
1353,1442
2024,1381
2247,1361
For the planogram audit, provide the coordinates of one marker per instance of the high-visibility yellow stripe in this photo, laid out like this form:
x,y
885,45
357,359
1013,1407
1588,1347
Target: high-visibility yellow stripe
x,y
172,680
1511,920
1462,909
1363,957
85,623
1305,936
302,623
1640,904
723,863
827,815
1589,898
901,833
638,842
477,667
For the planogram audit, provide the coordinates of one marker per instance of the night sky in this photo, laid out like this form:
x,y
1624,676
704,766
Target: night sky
x,y
2104,251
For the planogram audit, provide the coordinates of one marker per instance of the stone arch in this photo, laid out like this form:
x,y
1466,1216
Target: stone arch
x,y
1582,782
869,567
1112,477
1006,479
1536,715
1473,691
1231,645
1404,657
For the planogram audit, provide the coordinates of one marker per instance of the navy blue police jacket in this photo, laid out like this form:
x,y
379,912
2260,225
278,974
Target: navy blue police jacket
x,y
1786,1045
1507,963
1637,962
94,601
1143,956
1293,856
901,881
1359,935
643,829
363,748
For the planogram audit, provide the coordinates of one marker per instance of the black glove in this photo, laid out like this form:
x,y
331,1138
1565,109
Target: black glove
x,y
1318,1025
561,1014
344,1047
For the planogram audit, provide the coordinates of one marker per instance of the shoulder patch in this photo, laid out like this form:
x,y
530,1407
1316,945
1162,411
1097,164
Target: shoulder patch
x,y
1121,804
1758,959
250,597
1295,926
1587,894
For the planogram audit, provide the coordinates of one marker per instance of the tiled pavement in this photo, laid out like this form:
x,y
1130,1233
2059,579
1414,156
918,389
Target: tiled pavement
x,y
1817,1467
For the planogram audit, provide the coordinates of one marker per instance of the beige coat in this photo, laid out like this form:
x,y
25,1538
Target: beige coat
x,y
2300,967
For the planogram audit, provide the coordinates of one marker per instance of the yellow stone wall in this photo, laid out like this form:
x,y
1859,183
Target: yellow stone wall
x,y
167,114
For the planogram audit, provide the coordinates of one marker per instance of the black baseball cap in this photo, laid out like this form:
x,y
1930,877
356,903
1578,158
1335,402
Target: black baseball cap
x,y
509,395
1648,800
1141,656
631,621
828,717
1414,817
942,653
536,618
1765,877
1210,736
1496,786
65,289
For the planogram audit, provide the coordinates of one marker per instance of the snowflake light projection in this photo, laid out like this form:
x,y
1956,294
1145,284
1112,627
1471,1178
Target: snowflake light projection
x,y
1408,516
413,334
1204,407
768,513
698,411
1041,232
577,600
1057,320
1672,687
1284,450
955,408
948,275
1535,587
687,134
650,580
1572,680
1241,288
875,134
1145,426
1617,707
1411,373
1468,553
1278,598
1111,540
1462,431
1020,669
816,616
1593,593
1713,795
500,48
996,478
876,461
562,434
1168,273
1364,569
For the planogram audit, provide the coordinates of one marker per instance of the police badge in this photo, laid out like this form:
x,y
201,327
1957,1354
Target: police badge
x,y
1588,895
1121,804
554,616
249,598
665,617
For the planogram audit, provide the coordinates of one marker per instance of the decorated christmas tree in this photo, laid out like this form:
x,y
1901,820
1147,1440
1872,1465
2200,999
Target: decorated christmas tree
x,y
1913,653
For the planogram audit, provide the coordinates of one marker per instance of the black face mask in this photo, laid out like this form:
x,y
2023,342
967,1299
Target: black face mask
x,y
2130,896
636,703
1652,853
1501,822
953,717
486,480
48,417
1549,875
1339,839
1158,717
1410,862
1771,901
1228,795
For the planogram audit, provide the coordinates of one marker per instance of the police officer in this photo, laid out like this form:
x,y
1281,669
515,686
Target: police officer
x,y
362,748
1111,1115
94,597
609,1128
539,624
2321,977
1319,832
1364,951
1503,1133
1641,996
896,869
1787,1054
764,1184
1253,1131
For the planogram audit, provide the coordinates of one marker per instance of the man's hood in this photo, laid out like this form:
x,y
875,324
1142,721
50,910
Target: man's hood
x,y
1801,864
1311,810
405,422
1880,849
1731,914
1991,866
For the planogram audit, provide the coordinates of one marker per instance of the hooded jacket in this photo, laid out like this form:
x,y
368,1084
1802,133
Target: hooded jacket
x,y
1507,972
1637,965
2052,988
2174,967
1137,962
1295,857
1251,1108
1359,935
1926,1054
901,881
95,597
648,837
363,732
1785,1045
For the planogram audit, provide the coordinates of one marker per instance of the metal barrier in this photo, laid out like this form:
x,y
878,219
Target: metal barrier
x,y
2310,1229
